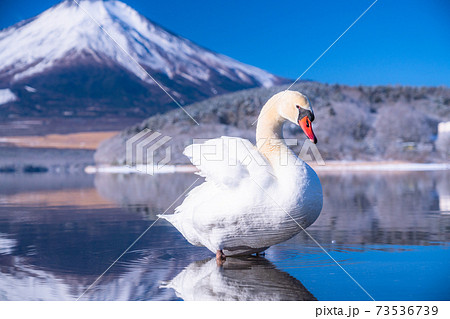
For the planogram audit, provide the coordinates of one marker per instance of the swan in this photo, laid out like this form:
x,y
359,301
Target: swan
x,y
253,197
244,278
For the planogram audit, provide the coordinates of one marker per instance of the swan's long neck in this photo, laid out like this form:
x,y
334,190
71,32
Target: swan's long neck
x,y
269,134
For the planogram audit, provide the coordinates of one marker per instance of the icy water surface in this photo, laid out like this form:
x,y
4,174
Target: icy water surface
x,y
58,233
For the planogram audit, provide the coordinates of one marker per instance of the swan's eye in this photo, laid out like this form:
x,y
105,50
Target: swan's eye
x,y
297,106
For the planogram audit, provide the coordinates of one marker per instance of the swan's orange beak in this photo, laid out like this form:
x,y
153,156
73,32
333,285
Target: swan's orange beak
x,y
306,126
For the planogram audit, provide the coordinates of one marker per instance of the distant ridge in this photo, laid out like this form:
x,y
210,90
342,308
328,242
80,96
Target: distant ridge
x,y
364,123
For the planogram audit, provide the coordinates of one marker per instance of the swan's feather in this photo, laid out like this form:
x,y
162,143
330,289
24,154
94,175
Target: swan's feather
x,y
227,161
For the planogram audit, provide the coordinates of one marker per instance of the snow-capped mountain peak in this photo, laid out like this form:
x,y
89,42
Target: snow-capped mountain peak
x,y
98,58
68,30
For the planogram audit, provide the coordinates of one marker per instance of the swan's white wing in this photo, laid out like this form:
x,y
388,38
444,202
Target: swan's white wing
x,y
215,209
227,161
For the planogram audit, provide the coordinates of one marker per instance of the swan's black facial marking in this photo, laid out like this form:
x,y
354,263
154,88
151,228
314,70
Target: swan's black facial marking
x,y
304,112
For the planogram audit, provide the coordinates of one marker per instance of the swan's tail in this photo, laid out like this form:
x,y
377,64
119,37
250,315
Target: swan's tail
x,y
169,218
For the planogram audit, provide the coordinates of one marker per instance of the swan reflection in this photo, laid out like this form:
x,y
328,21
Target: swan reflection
x,y
250,278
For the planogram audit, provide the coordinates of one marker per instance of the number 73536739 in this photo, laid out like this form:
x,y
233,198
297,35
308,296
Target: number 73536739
x,y
404,310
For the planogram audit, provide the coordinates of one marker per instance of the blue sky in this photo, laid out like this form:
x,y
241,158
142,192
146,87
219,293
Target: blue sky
x,y
396,42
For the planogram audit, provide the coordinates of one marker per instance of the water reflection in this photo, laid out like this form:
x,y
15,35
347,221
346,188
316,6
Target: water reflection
x,y
251,278
58,233
139,280
57,255
149,195
391,208
360,208
443,190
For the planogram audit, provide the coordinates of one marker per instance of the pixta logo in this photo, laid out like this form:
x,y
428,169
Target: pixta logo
x,y
141,150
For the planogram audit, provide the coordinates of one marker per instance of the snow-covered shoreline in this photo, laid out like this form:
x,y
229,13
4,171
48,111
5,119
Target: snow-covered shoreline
x,y
328,167
381,166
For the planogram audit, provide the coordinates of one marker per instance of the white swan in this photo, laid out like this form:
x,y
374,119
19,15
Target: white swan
x,y
253,197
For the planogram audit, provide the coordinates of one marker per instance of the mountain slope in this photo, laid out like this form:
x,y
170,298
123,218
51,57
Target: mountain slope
x,y
352,123
71,65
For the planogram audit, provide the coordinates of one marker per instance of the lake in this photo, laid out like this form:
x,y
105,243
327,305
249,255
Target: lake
x,y
58,233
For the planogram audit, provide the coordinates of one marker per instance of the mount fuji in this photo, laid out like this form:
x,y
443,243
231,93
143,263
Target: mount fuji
x,y
61,63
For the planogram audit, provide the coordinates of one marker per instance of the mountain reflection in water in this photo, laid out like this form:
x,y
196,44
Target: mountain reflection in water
x,y
58,233
391,208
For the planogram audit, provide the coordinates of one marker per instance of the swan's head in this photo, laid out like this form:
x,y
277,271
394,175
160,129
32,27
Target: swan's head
x,y
296,108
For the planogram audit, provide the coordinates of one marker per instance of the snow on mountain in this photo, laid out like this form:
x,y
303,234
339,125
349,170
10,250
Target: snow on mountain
x,y
7,96
65,32
30,89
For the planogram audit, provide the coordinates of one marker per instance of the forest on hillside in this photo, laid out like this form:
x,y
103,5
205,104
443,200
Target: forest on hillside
x,y
369,123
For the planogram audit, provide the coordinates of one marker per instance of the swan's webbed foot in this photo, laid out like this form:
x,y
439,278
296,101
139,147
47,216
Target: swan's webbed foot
x,y
220,257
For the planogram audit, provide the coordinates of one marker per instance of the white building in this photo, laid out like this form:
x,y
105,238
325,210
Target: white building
x,y
443,139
